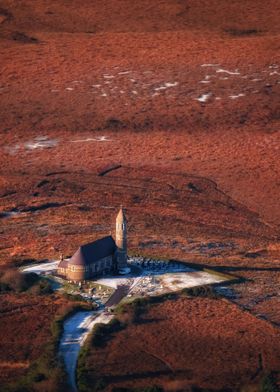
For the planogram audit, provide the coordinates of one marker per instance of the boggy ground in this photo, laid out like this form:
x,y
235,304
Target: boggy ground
x,y
184,96
191,342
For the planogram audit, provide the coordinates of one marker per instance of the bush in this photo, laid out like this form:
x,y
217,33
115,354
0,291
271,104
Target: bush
x,y
201,291
76,297
103,332
139,306
44,287
12,279
268,383
241,33
4,287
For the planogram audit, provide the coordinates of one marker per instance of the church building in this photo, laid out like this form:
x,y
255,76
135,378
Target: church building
x,y
100,257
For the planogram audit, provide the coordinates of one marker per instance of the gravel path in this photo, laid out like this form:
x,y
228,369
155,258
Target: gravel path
x,y
76,330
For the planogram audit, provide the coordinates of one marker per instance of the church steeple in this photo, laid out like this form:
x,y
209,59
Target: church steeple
x,y
121,238
121,230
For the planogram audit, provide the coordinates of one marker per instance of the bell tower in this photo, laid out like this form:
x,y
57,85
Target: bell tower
x,y
121,240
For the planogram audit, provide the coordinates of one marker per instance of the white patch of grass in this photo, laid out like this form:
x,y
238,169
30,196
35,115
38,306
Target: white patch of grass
x,y
92,139
203,97
40,142
210,65
221,70
166,86
170,84
237,96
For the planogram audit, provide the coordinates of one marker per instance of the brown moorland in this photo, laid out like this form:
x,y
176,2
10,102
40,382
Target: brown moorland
x,y
183,95
25,330
188,343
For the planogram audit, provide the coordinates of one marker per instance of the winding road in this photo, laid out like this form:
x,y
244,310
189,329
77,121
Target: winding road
x,y
76,330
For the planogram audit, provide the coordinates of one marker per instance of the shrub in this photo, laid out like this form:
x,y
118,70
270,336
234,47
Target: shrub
x,y
139,306
268,383
78,298
44,287
201,291
242,32
4,287
14,280
103,332
114,124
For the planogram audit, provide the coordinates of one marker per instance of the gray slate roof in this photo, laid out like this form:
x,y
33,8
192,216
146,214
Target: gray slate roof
x,y
94,251
63,263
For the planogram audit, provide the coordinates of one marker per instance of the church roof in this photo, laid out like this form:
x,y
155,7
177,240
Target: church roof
x,y
63,263
94,251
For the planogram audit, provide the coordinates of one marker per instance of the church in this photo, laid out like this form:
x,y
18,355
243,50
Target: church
x,y
100,257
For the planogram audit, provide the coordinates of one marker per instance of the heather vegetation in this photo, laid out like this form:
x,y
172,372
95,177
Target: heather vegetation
x,y
47,373
150,317
136,308
99,337
185,97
